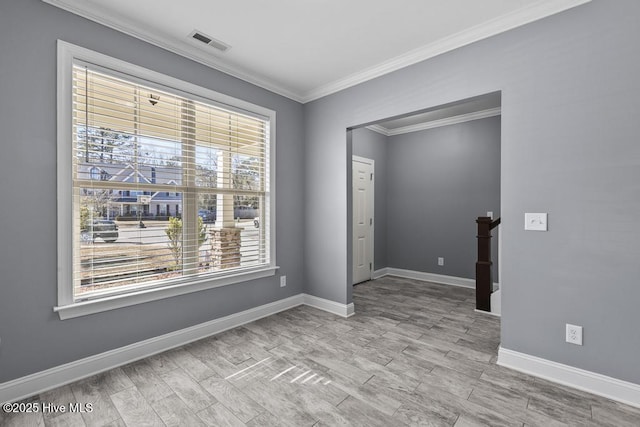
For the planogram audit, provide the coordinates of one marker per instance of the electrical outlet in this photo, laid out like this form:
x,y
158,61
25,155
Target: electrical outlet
x,y
440,260
574,334
283,281
490,214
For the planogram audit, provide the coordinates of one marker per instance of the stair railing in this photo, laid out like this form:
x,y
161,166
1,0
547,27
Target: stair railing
x,y
484,280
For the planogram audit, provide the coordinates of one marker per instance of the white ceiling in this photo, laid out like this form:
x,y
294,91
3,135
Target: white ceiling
x,y
306,49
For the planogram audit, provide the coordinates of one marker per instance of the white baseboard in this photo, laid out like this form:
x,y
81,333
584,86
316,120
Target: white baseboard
x,y
429,277
39,382
496,302
380,273
344,310
591,382
488,313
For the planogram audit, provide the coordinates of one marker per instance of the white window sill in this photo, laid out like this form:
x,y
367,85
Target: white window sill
x,y
85,308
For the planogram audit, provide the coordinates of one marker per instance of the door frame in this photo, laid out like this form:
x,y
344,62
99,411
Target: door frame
x,y
372,209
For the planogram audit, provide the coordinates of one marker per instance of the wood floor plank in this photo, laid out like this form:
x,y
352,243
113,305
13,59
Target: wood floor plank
x,y
452,381
267,419
359,413
218,415
415,415
116,423
415,353
116,380
187,389
370,395
21,419
135,410
60,396
279,404
161,363
146,381
67,419
175,413
610,413
93,391
193,366
240,405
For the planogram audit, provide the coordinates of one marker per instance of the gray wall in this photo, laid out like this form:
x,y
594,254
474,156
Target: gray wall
x,y
373,145
440,181
33,337
570,97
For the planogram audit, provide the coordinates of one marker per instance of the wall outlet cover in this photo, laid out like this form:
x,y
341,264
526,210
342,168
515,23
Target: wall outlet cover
x,y
283,281
574,334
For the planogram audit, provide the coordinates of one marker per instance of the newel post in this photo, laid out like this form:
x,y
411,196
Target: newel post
x,y
484,281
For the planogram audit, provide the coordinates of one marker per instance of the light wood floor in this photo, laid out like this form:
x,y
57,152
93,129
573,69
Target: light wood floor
x,y
415,353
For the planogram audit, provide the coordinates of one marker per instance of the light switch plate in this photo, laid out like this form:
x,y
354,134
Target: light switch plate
x,y
535,221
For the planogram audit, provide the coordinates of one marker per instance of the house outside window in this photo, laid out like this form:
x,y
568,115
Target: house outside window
x,y
157,142
95,173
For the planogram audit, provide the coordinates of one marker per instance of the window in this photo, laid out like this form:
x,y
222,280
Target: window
x,y
131,144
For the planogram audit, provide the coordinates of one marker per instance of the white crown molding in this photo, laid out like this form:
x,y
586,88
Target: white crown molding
x,y
177,47
526,15
379,129
591,382
499,25
476,115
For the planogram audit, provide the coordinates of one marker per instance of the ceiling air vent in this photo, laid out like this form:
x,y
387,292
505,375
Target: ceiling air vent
x,y
209,41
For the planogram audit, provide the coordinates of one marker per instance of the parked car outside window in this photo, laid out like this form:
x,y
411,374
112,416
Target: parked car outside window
x,y
105,229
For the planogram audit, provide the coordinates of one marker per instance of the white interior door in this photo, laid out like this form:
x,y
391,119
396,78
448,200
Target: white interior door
x,y
362,219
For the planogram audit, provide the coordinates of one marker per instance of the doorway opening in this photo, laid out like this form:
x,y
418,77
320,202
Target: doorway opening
x,y
436,171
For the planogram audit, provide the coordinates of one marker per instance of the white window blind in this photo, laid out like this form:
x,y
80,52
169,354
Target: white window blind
x,y
168,187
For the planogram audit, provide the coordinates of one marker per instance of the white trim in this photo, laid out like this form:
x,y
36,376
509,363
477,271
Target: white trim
x,y
69,372
496,302
344,310
591,382
67,55
380,273
69,52
526,15
64,176
534,12
488,313
183,48
431,277
39,382
379,128
364,160
448,121
84,308
441,279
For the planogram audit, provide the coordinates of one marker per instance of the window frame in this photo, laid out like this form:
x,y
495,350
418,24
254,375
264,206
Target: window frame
x,y
67,308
